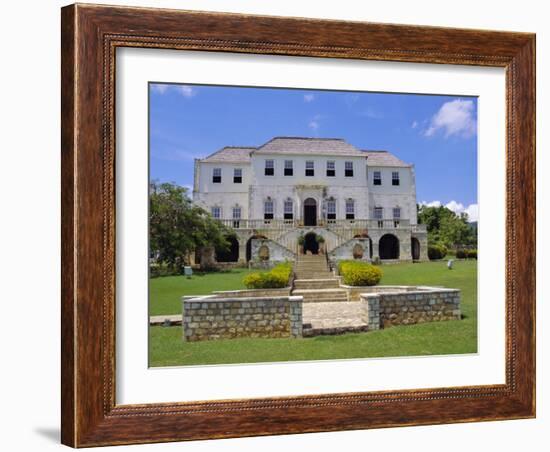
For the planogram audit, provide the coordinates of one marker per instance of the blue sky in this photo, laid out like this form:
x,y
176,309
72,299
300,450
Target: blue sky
x,y
438,134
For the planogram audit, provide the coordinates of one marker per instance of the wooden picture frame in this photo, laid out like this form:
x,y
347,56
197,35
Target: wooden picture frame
x,y
90,36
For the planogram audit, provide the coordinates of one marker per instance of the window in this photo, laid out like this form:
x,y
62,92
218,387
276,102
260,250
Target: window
x,y
269,168
310,168
236,216
395,178
396,216
378,213
377,179
289,168
238,176
268,210
348,169
331,168
217,176
216,212
289,210
331,210
350,209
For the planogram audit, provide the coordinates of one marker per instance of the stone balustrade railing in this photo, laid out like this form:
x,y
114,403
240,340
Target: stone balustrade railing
x,y
280,224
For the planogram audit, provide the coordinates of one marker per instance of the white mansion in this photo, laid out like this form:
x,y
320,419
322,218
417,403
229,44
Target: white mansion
x,y
307,195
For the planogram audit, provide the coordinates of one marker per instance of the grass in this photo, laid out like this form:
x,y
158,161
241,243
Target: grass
x,y
165,292
166,347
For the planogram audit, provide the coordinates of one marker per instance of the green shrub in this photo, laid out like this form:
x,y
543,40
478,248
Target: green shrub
x,y
437,251
461,254
466,254
157,270
472,254
276,278
359,273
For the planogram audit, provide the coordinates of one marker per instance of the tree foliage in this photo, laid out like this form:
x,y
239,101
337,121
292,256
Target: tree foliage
x,y
446,227
177,226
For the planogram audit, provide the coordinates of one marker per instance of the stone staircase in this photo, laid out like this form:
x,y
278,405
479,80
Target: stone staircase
x,y
314,280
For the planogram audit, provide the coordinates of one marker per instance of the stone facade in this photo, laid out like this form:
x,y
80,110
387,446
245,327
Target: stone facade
x,y
267,253
408,307
358,249
211,317
291,187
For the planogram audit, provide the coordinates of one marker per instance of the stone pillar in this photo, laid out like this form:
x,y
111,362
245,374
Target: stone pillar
x,y
208,257
242,251
375,252
423,240
405,251
371,304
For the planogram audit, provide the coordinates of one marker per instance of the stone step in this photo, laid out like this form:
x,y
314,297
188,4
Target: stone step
x,y
329,283
310,331
333,318
306,266
321,295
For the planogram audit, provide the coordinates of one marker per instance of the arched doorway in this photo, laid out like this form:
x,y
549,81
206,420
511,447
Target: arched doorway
x,y
388,247
310,212
310,243
231,254
415,249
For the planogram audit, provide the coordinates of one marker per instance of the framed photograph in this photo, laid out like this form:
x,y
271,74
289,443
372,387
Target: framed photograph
x,y
283,225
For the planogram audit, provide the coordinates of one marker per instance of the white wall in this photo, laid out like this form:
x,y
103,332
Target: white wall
x,y
227,185
389,196
30,264
299,178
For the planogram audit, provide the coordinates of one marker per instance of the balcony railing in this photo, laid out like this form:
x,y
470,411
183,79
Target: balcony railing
x,y
329,224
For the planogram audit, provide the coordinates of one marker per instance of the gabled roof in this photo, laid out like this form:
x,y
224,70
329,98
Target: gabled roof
x,y
383,158
305,145
230,154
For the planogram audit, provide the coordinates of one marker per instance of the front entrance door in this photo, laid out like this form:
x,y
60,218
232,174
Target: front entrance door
x,y
310,212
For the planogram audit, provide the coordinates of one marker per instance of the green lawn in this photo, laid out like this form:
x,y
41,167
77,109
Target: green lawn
x,y
166,347
165,292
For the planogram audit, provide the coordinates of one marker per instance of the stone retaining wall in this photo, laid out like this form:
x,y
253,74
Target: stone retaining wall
x,y
425,304
285,291
354,292
207,318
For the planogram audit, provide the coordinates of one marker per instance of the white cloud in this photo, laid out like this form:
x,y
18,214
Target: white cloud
x,y
473,212
414,125
184,90
457,207
309,98
159,88
455,117
431,203
351,99
370,112
314,125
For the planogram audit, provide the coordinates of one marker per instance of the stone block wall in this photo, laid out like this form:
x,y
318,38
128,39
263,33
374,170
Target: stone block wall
x,y
426,304
266,253
282,292
208,318
346,251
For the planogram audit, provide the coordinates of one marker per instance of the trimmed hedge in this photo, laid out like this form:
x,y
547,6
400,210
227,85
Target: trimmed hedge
x,y
466,254
359,273
276,278
437,251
